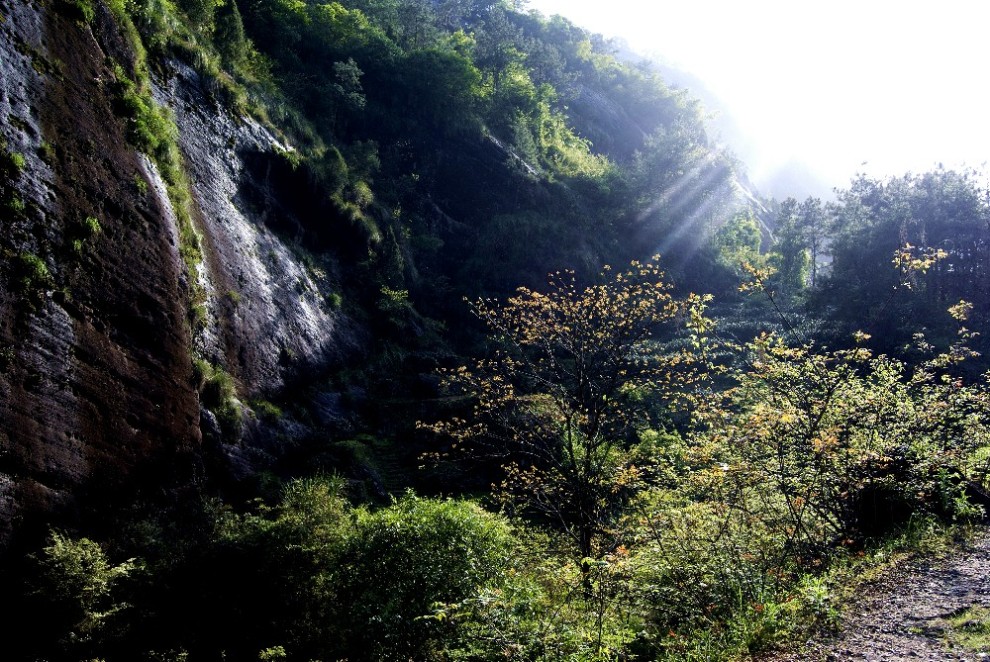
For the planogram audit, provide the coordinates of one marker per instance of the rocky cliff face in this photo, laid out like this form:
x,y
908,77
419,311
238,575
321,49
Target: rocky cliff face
x,y
97,327
269,316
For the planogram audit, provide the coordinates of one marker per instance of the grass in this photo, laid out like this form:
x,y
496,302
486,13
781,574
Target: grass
x,y
218,393
815,603
33,270
47,152
11,163
32,279
267,411
970,629
149,127
84,233
92,226
81,10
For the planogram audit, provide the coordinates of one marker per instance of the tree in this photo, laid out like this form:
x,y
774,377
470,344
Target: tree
x,y
940,211
497,48
229,35
561,403
345,92
790,257
813,220
739,240
200,12
824,447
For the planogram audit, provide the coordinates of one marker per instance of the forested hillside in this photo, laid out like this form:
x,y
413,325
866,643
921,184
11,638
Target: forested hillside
x,y
434,330
469,143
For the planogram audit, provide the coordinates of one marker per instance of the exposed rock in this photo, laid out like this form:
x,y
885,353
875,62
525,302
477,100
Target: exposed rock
x,y
97,378
96,345
268,318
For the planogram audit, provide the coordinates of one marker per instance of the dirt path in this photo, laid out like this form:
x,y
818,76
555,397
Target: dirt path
x,y
915,611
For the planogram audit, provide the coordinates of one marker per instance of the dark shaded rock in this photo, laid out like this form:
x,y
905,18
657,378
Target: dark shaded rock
x,y
96,386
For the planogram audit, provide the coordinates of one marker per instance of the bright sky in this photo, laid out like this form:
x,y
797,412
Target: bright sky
x,y
899,85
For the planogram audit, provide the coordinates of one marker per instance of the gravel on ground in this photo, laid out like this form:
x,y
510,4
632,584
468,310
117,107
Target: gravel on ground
x,y
905,613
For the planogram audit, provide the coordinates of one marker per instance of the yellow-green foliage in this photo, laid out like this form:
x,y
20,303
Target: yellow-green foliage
x,y
561,397
151,129
659,531
218,393
81,10
11,163
86,231
829,446
11,166
267,410
121,10
92,226
567,154
80,588
738,241
970,629
32,276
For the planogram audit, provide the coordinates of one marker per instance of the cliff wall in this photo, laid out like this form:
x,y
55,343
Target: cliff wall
x,y
100,320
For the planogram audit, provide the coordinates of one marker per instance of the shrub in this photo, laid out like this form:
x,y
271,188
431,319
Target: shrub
x,y
47,152
229,36
267,411
32,274
149,127
328,581
77,588
11,164
81,10
404,560
695,561
218,393
92,226
80,234
863,446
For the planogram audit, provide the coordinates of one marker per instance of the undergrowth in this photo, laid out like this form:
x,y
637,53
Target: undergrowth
x,y
218,393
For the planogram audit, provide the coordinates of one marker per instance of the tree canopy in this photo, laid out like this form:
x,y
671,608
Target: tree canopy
x,y
564,398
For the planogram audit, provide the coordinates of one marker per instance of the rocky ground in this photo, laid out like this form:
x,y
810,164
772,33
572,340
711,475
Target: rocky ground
x,y
930,608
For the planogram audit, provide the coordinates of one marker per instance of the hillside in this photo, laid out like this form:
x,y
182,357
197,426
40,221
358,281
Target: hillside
x,y
152,221
283,376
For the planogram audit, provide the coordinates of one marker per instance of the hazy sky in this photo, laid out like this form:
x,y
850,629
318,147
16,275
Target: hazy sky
x,y
899,85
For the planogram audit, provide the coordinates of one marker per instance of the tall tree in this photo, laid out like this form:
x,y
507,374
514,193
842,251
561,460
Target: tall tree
x,y
497,47
560,403
943,211
229,34
813,219
790,255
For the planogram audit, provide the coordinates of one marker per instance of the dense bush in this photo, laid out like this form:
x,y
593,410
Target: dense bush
x,y
325,580
402,561
834,446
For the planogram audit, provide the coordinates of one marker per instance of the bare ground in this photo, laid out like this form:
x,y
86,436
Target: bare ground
x,y
904,614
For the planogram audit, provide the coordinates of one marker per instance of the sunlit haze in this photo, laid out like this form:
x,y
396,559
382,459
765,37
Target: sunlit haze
x,y
836,87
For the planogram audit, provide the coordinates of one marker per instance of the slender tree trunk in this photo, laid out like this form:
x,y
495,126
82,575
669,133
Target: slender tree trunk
x,y
585,548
